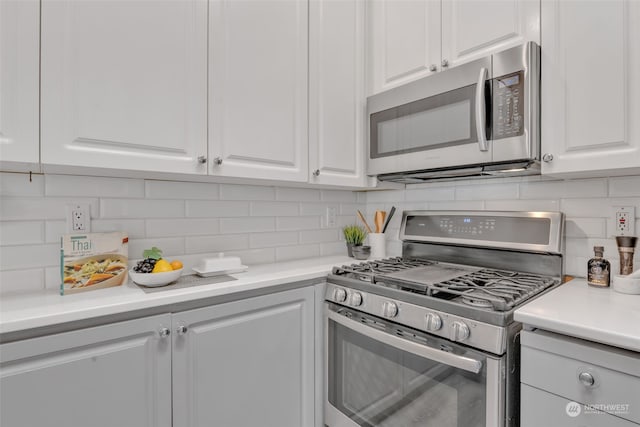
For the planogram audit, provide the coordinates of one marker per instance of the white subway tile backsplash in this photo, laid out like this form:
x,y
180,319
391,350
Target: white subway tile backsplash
x,y
320,236
206,244
254,256
144,208
29,256
246,192
351,208
52,278
471,205
273,239
487,192
181,227
624,186
133,227
564,189
382,196
181,190
171,246
339,196
216,209
523,205
430,194
55,229
21,185
92,186
596,208
333,248
247,225
274,209
298,223
22,280
585,227
297,195
286,253
13,208
21,232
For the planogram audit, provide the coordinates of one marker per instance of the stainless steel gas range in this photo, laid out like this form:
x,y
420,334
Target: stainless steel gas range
x,y
428,339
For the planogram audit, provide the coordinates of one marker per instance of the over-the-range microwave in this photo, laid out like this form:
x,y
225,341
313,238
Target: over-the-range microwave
x,y
477,119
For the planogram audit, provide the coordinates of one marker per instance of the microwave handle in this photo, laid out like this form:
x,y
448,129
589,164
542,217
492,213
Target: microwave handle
x,y
437,355
481,111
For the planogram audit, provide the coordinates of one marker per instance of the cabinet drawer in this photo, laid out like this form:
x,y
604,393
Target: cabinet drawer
x,y
555,363
546,409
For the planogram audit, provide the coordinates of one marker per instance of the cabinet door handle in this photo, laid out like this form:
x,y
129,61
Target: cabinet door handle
x,y
586,379
445,63
433,68
217,161
547,157
316,172
182,329
202,159
481,111
164,332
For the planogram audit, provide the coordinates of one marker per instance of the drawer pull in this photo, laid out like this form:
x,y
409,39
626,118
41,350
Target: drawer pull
x,y
587,379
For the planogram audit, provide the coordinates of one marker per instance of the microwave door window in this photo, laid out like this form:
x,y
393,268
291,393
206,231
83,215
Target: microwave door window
x,y
438,121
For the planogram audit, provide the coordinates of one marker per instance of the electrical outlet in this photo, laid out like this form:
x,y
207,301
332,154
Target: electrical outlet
x,y
624,220
331,217
79,218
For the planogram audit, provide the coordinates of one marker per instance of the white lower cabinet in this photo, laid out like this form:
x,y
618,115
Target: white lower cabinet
x,y
245,363
112,375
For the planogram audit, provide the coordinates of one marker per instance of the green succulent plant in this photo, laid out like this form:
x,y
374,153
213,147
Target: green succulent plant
x,y
354,234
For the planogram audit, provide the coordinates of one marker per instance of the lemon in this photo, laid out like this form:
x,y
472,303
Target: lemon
x,y
162,266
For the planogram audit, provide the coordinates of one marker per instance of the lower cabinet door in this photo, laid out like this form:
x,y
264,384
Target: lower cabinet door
x,y
106,376
541,409
246,363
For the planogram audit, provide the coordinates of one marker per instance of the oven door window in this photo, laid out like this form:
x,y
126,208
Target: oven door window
x,y
375,384
438,121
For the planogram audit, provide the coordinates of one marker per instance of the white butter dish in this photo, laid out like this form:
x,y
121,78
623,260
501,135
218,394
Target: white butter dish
x,y
626,284
220,265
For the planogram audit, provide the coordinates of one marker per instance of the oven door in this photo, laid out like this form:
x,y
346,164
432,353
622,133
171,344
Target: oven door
x,y
436,122
383,374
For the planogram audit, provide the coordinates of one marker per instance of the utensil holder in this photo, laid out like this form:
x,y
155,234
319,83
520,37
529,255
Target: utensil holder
x,y
378,245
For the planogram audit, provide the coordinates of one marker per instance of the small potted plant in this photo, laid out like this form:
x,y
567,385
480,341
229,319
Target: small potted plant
x,y
354,235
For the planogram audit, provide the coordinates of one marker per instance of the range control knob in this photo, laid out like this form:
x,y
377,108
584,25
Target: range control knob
x,y
459,331
434,322
389,309
355,299
340,295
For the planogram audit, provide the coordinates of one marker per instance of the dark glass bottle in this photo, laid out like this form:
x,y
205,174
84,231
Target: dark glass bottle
x,y
598,269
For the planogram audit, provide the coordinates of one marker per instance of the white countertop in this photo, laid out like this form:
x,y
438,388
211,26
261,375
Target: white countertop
x,y
20,312
579,310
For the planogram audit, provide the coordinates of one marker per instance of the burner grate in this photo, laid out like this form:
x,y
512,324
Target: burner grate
x,y
366,271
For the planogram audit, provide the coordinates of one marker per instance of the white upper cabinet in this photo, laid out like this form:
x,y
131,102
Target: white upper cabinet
x,y
411,39
124,84
472,29
336,92
404,37
19,68
258,56
591,87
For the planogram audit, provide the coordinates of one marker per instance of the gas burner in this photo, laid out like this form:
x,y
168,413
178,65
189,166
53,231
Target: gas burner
x,y
365,271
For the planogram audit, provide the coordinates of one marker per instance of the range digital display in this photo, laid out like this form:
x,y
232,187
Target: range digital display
x,y
509,81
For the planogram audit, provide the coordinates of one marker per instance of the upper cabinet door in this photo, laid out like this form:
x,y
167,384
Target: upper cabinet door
x,y
124,84
258,57
591,87
405,41
19,68
475,28
336,92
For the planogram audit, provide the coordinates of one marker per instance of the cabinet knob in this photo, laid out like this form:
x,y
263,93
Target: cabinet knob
x,y
433,67
586,379
547,157
202,159
164,332
182,329
217,161
445,63
316,172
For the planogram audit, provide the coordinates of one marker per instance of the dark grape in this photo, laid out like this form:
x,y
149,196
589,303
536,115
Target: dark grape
x,y
145,266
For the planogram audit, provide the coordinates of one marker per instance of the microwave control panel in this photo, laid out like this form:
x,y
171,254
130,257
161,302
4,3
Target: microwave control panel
x,y
508,105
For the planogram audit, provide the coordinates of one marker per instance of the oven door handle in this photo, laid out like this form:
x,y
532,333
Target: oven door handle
x,y
481,111
441,356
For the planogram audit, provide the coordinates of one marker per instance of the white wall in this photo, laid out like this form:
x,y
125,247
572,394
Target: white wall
x,y
585,202
186,220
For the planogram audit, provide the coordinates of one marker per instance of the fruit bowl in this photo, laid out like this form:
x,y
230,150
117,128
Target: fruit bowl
x,y
155,279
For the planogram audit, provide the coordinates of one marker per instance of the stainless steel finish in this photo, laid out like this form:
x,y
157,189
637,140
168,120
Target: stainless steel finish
x,y
316,173
483,336
547,157
555,245
182,330
586,379
389,309
355,299
496,404
441,356
217,161
481,111
459,331
202,159
164,332
433,68
339,295
433,322
445,63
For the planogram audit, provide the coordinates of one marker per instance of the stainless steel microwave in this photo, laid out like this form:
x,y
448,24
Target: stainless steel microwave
x,y
477,119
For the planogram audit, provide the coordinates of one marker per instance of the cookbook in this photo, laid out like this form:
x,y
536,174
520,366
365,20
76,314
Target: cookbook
x,y
91,261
